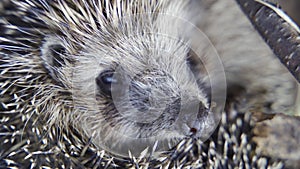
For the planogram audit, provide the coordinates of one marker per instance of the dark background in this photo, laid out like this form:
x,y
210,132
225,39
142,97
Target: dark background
x,y
292,8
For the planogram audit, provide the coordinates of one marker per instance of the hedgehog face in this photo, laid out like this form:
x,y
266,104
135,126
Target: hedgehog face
x,y
134,97
134,82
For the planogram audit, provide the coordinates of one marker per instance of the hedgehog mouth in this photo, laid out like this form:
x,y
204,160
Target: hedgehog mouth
x,y
177,120
174,118
165,121
166,131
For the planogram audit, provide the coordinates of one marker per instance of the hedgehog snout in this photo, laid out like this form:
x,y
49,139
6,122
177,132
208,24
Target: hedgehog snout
x,y
192,118
152,99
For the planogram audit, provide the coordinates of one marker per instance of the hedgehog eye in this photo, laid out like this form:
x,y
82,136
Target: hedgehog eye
x,y
105,81
195,63
192,59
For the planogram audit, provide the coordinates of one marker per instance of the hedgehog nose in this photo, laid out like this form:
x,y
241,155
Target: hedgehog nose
x,y
194,127
193,116
193,131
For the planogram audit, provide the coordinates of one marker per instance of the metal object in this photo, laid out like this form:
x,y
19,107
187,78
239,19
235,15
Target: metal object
x,y
278,30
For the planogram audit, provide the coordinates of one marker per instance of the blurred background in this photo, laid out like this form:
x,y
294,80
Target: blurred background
x,y
291,7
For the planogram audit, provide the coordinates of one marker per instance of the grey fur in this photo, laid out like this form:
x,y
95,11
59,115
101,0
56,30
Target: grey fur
x,y
65,95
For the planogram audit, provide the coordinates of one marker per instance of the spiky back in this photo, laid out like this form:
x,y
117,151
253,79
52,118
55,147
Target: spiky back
x,y
76,19
28,93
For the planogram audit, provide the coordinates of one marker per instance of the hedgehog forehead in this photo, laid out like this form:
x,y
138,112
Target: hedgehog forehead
x,y
137,53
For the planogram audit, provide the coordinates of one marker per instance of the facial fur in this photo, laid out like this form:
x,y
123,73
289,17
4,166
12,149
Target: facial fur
x,y
129,77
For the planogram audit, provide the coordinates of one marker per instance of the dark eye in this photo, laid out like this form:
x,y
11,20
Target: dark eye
x,y
105,81
192,59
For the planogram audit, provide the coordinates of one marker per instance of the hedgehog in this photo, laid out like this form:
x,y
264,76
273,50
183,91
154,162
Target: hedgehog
x,y
120,84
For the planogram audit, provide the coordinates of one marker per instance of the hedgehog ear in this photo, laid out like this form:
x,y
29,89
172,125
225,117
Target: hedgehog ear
x,y
54,55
